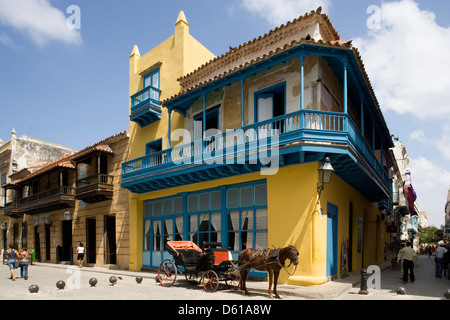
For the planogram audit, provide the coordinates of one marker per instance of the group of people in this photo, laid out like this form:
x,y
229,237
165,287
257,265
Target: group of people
x,y
408,258
21,257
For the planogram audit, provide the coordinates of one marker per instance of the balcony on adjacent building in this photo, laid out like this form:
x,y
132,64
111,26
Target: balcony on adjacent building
x,y
299,137
11,210
53,199
145,106
95,188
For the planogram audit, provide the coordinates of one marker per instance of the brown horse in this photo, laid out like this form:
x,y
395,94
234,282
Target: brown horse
x,y
270,260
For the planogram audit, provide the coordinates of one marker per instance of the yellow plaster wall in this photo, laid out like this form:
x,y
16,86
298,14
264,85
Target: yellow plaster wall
x,y
296,218
176,56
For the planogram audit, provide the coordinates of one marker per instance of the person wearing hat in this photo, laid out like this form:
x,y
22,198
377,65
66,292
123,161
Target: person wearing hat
x,y
439,259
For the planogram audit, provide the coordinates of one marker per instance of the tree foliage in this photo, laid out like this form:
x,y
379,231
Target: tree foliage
x,y
431,235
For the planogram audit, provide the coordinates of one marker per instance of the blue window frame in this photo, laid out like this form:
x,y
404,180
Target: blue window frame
x,y
153,147
270,102
212,122
152,79
235,215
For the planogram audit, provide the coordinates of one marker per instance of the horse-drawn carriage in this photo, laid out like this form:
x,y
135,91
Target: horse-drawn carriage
x,y
207,266
214,263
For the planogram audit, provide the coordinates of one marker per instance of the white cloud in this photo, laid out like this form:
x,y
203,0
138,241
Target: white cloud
x,y
7,41
430,181
281,11
38,20
440,143
407,60
443,144
418,135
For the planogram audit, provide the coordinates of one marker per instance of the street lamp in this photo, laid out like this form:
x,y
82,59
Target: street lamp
x,y
67,215
325,173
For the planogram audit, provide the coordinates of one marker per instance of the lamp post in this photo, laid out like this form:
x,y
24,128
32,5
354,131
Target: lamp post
x,y
67,215
325,174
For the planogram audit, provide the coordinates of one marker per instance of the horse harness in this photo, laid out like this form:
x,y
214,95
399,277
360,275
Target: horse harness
x,y
268,257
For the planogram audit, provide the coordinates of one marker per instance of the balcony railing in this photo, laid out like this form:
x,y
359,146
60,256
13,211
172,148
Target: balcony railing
x,y
52,193
50,200
95,188
303,125
149,95
145,106
94,181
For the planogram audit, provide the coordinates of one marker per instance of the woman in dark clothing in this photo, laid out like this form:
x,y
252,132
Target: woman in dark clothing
x,y
12,256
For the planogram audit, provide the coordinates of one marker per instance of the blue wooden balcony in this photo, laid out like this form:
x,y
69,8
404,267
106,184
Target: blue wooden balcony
x,y
145,106
300,137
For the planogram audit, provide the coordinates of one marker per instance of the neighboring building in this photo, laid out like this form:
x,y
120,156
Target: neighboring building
x,y
408,226
256,124
17,154
74,198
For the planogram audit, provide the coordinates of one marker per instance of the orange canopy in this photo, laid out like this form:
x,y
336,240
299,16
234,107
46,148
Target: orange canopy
x,y
184,245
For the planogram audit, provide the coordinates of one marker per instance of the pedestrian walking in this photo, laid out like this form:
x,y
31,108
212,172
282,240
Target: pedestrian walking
x,y
409,258
400,259
80,251
446,261
439,259
12,256
23,263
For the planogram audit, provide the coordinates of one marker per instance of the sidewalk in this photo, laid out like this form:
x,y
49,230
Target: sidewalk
x,y
329,290
426,286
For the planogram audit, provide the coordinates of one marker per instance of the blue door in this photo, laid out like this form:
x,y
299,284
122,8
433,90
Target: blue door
x,y
332,240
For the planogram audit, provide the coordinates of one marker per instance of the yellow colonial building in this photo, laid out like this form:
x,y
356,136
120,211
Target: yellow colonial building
x,y
229,149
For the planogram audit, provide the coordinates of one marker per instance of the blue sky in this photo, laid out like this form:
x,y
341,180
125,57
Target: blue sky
x,y
71,86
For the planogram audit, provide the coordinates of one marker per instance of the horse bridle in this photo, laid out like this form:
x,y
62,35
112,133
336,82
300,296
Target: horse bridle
x,y
285,268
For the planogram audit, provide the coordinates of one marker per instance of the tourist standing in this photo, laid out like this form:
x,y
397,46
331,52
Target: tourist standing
x,y
439,259
409,257
80,251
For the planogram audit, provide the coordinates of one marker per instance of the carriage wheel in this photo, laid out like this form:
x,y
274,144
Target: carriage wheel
x,y
167,273
210,281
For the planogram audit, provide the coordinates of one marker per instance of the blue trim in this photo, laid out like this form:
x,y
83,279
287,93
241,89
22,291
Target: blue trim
x,y
277,89
210,114
145,104
153,144
185,101
332,239
302,81
243,101
140,175
150,76
169,129
150,259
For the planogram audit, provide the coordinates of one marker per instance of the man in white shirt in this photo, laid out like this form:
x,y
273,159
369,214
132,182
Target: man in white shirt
x,y
439,259
409,257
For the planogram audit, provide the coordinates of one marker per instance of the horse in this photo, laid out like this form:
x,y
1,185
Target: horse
x,y
270,260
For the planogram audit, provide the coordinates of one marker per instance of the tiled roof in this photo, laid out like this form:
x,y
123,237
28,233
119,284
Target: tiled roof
x,y
66,161
337,44
61,162
100,146
272,43
276,41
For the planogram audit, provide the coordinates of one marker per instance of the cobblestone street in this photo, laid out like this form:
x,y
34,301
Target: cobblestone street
x,y
426,287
